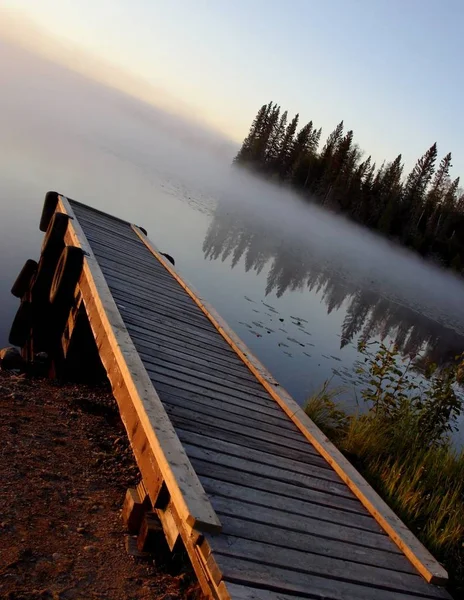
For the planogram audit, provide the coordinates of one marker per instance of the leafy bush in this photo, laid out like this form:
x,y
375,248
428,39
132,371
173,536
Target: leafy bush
x,y
402,445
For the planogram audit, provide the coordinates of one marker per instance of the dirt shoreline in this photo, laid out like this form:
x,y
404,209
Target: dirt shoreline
x,y
65,465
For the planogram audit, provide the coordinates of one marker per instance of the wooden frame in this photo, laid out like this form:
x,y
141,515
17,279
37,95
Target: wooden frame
x,y
161,456
406,541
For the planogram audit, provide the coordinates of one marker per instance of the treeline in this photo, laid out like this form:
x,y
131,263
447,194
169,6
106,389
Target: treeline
x,y
423,210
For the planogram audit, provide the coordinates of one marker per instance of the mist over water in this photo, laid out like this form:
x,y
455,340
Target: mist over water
x,y
299,285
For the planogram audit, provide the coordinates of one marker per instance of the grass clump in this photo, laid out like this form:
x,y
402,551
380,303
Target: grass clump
x,y
402,445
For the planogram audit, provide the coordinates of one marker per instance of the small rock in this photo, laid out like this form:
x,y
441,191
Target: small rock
x,y
80,530
11,359
56,556
89,548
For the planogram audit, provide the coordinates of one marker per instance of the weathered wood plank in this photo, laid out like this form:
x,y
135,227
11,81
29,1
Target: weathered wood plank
x,y
203,387
321,498
261,408
83,209
237,407
173,319
210,382
244,430
229,591
193,390
223,433
305,562
105,247
143,276
162,353
177,328
140,262
311,586
163,307
177,332
282,529
191,345
103,226
217,412
152,292
181,480
266,499
246,465
205,377
264,458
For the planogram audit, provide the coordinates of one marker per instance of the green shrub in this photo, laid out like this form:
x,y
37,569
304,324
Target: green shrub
x,y
402,445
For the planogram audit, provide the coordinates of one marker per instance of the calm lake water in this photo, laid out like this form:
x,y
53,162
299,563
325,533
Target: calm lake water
x,y
298,285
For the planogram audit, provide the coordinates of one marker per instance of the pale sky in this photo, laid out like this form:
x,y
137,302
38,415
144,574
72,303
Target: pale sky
x,y
390,68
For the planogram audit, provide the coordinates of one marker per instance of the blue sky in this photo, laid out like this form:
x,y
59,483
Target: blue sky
x,y
390,68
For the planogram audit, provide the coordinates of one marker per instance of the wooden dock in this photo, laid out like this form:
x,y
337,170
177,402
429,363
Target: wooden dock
x,y
264,504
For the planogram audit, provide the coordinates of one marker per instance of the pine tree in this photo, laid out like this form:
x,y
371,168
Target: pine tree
x,y
389,195
333,141
323,173
275,142
300,148
435,196
285,150
440,181
415,188
246,150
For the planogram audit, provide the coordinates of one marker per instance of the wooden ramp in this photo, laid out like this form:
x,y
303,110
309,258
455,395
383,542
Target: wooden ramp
x,y
264,504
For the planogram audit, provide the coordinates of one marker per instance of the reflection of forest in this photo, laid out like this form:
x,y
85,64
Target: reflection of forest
x,y
296,265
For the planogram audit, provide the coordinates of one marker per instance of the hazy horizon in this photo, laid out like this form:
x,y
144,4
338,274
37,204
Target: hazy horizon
x,y
183,64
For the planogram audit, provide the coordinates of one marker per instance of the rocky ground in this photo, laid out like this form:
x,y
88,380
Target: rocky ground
x,y
65,465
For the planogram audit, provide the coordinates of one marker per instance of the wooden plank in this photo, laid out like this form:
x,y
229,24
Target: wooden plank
x,y
173,386
215,431
289,465
164,335
266,499
416,552
246,465
205,388
105,247
105,227
217,412
238,408
136,264
317,497
146,278
269,525
233,591
152,291
311,586
207,382
177,328
175,320
309,563
208,378
175,331
129,292
261,408
130,298
169,353
181,480
81,208
244,430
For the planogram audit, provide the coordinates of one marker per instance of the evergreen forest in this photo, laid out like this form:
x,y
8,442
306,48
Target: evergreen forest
x,y
423,209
